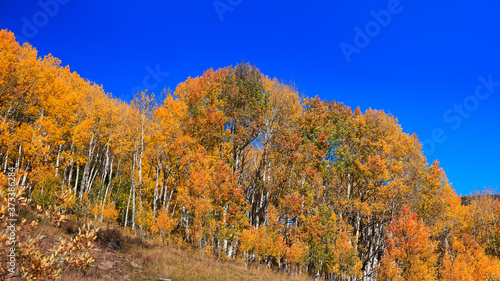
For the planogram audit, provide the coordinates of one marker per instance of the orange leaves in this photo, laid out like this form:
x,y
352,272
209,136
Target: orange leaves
x,y
201,98
376,168
164,222
409,252
293,204
466,260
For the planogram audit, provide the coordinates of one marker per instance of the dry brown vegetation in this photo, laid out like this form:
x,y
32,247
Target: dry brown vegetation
x,y
179,264
142,260
154,262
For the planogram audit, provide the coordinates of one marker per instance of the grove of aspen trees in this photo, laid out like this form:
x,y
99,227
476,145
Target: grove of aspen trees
x,y
239,166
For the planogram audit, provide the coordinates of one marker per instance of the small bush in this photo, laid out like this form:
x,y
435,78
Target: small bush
x,y
71,226
110,238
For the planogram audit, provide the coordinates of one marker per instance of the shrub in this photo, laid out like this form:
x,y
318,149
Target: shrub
x,y
71,226
110,238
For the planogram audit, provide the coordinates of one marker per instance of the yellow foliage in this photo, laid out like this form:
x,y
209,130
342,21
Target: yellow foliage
x,y
164,222
466,260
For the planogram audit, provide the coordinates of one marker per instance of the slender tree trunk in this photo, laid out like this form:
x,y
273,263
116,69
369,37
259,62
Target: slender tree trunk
x,y
107,187
128,205
155,203
86,170
25,176
109,179
5,162
18,159
57,160
118,172
93,175
65,173
70,175
133,207
133,191
76,180
165,178
106,167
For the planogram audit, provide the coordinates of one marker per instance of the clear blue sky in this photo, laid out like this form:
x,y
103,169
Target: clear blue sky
x,y
422,64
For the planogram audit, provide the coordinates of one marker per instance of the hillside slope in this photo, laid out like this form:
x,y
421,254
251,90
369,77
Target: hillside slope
x,y
123,256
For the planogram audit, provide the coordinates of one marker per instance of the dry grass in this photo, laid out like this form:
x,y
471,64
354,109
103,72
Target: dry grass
x,y
175,264
153,263
139,260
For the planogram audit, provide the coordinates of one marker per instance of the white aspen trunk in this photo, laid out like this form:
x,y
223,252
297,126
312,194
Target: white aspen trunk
x,y
107,188
106,167
5,162
173,210
170,198
156,189
141,152
70,173
128,204
57,160
23,183
162,190
133,191
133,207
165,178
76,180
86,170
110,176
64,177
92,178
358,222
370,258
165,192
18,160
118,173
171,192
